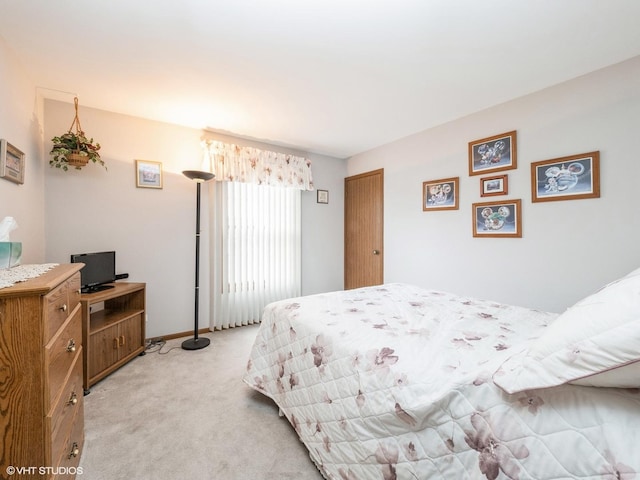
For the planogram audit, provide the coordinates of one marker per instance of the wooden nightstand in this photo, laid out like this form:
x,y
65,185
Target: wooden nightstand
x,y
113,329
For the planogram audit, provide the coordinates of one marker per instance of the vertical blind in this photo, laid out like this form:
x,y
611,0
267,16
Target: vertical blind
x,y
256,250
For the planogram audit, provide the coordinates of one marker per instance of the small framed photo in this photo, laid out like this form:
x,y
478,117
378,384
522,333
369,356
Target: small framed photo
x,y
440,194
11,162
493,154
566,178
490,186
148,174
497,219
323,196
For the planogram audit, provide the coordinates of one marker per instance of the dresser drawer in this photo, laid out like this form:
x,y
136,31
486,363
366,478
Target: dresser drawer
x,y
62,415
67,463
59,303
60,353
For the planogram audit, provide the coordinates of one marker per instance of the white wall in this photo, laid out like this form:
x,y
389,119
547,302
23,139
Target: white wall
x,y
19,126
568,248
323,228
152,230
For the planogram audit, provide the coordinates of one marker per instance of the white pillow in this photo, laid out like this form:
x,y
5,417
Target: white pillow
x,y
596,342
627,376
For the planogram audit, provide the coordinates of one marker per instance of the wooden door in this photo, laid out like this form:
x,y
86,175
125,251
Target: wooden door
x,y
363,230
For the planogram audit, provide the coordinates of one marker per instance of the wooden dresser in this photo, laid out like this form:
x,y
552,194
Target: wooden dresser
x,y
41,401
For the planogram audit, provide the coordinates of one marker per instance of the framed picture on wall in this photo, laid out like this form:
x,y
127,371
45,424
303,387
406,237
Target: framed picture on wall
x,y
11,162
490,186
566,178
148,174
322,196
493,154
440,194
497,219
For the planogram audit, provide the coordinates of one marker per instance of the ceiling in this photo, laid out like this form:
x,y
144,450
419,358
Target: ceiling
x,y
336,77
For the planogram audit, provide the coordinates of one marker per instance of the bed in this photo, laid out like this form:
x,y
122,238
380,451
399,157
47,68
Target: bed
x,y
398,382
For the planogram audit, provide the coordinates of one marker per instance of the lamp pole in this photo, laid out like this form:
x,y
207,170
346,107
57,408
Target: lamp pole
x,y
197,343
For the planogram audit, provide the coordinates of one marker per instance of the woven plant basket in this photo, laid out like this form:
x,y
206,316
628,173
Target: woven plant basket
x,y
80,150
77,160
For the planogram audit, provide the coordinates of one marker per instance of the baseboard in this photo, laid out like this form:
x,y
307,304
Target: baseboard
x,y
172,336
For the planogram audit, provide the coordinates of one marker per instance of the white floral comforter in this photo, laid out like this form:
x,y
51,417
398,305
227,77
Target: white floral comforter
x,y
395,382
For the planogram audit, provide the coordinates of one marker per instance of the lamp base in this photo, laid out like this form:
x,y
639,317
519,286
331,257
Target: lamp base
x,y
196,343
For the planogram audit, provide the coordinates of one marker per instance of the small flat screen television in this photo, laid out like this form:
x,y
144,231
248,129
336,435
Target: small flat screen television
x,y
99,268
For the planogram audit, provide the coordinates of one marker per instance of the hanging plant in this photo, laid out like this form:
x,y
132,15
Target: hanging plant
x,y
74,149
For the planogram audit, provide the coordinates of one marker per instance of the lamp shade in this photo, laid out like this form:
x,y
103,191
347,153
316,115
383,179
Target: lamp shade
x,y
198,175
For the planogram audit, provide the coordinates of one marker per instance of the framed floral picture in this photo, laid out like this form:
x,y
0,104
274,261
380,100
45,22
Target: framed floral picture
x,y
566,178
148,174
493,154
497,219
440,194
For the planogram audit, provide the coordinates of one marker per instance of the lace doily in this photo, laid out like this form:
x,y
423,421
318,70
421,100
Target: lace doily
x,y
20,273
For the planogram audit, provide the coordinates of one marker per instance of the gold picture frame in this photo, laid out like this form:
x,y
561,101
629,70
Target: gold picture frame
x,y
148,174
566,178
492,186
493,154
497,219
440,194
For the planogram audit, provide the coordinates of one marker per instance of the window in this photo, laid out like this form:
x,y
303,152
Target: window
x,y
257,250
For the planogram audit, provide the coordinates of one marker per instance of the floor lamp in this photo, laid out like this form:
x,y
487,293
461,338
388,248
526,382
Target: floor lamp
x,y
200,177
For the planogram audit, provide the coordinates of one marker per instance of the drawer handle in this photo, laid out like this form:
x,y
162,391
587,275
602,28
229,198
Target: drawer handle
x,y
73,399
122,340
63,308
115,343
71,346
74,450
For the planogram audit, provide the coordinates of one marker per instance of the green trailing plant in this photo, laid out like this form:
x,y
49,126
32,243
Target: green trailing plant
x,y
74,149
70,144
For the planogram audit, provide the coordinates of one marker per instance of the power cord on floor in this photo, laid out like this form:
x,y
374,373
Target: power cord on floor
x,y
155,345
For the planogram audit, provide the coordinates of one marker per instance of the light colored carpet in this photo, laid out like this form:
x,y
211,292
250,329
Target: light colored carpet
x,y
187,414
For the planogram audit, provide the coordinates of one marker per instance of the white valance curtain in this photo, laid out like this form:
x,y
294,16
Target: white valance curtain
x,y
255,230
234,163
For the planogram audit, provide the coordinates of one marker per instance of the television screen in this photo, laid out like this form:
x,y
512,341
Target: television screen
x,y
99,268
